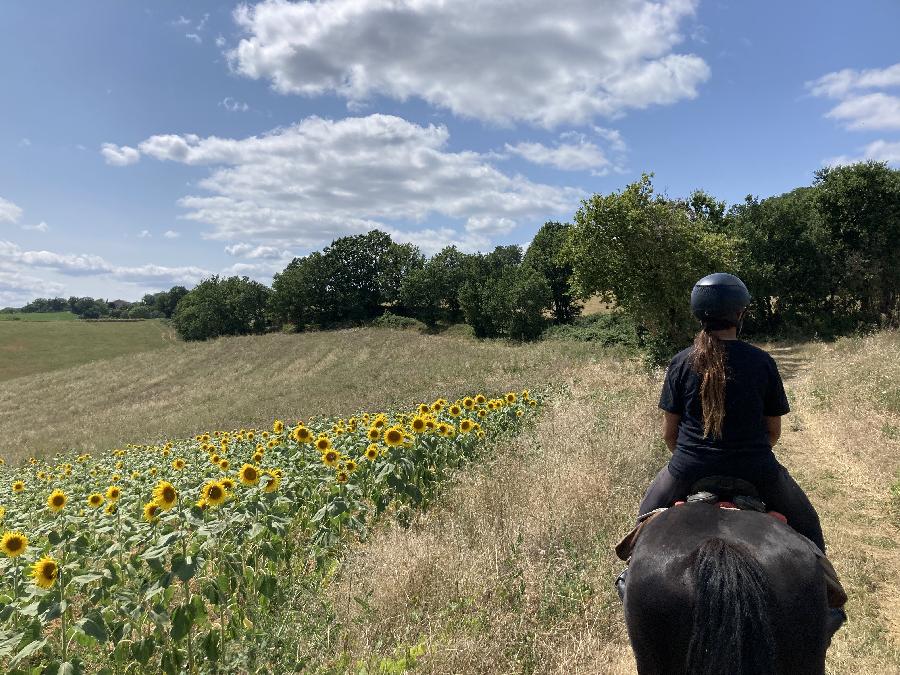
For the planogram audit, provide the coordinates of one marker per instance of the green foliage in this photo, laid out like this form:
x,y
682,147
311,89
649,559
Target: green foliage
x,y
215,307
546,254
645,252
613,329
389,320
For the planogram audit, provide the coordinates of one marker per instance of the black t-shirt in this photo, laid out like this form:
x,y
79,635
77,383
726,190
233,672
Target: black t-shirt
x,y
753,390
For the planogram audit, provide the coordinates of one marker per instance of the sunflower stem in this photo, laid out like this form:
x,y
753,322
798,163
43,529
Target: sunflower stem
x,y
62,600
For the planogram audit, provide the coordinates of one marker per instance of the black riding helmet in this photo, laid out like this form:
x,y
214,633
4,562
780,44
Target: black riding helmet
x,y
719,298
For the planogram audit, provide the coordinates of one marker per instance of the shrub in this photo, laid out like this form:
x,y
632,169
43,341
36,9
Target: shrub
x,y
388,320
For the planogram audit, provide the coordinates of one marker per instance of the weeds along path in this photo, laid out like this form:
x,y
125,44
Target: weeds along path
x,y
842,444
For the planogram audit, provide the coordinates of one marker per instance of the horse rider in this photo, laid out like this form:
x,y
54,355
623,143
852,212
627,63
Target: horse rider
x,y
723,400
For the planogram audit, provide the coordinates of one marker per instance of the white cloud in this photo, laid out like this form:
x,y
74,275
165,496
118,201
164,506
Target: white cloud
x,y
193,36
181,21
201,25
9,212
144,234
24,143
17,287
171,234
304,185
85,264
841,83
869,111
119,155
879,151
565,156
220,41
39,227
231,105
244,250
543,62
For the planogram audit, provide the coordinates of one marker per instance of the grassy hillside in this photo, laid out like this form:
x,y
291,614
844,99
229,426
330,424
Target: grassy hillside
x,y
40,345
189,387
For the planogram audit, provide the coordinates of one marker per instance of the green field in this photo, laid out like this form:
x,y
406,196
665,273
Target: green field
x,y
42,345
37,316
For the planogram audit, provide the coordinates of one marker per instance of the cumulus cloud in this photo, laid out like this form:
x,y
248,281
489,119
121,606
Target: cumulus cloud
x,y
879,151
171,234
546,63
869,111
861,108
841,83
9,212
244,250
576,156
86,264
306,184
38,227
17,287
119,155
144,234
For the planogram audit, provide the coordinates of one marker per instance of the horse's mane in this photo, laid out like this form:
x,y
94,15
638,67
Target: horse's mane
x,y
732,630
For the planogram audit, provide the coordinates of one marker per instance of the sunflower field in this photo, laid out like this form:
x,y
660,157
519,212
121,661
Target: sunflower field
x,y
163,558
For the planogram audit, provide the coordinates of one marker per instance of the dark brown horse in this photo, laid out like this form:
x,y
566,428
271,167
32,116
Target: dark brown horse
x,y
721,592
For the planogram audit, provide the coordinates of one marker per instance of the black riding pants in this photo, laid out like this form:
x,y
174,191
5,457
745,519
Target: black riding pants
x,y
780,493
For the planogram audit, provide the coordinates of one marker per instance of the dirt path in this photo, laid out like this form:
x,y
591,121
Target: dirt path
x,y
837,457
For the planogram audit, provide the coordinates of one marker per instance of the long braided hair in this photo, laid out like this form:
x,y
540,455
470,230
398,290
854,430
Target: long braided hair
x,y
708,359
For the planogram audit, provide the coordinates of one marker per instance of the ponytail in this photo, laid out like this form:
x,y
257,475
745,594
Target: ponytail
x,y
708,360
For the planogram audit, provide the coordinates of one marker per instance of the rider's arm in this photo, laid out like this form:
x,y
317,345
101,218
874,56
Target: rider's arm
x,y
670,429
773,425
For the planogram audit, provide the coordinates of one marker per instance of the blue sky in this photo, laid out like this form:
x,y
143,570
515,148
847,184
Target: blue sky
x,y
147,144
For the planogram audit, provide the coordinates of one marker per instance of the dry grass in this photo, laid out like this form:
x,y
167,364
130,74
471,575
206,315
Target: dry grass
x,y
513,572
840,447
183,389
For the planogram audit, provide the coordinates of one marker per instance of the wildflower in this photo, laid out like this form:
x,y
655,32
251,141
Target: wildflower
x,y
13,544
57,501
45,571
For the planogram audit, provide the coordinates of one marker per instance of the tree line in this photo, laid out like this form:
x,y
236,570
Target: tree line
x,y
820,260
152,306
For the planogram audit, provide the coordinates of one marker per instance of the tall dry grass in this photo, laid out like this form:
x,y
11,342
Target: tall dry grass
x,y
514,573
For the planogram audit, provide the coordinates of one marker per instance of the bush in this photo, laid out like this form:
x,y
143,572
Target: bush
x,y
232,306
614,329
388,320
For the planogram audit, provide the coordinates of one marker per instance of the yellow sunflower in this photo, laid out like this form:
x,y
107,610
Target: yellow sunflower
x,y
323,444
2,512
228,484
95,500
418,424
249,474
302,435
373,434
331,458
372,452
13,544
511,397
468,403
214,493
44,572
393,436
480,399
151,510
165,495
342,476
278,426
455,410
113,493
18,486
273,481
350,466
178,464
465,425
57,501
224,464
